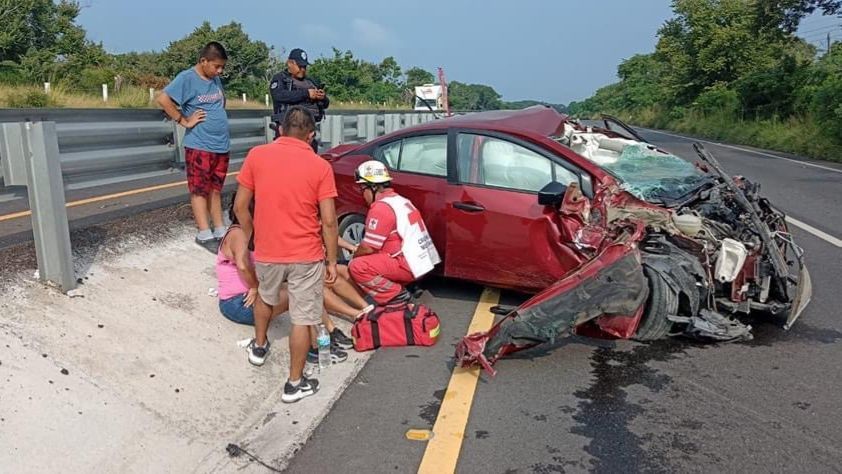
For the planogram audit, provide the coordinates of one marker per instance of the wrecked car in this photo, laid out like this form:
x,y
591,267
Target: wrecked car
x,y
613,236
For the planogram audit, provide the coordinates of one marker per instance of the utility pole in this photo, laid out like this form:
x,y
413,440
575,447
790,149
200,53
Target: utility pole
x,y
828,42
444,98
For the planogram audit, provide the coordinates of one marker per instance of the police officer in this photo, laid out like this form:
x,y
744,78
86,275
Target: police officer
x,y
293,87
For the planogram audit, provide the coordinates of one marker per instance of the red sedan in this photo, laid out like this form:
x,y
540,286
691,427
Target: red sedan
x,y
482,212
532,201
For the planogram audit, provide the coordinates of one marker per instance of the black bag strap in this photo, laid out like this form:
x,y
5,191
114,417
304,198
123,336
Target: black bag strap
x,y
375,315
408,316
375,333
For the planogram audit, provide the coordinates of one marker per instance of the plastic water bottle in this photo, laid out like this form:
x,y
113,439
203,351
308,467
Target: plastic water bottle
x,y
323,341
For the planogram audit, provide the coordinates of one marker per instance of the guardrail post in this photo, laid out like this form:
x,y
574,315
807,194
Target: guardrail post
x,y
370,127
380,123
46,200
12,150
178,142
362,124
267,129
391,122
336,129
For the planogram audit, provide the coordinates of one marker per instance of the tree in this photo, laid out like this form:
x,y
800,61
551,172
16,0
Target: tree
x,y
26,24
472,96
351,79
43,40
731,57
522,104
786,15
60,51
416,76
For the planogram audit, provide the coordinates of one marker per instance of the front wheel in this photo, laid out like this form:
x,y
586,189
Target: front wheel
x,y
352,229
661,303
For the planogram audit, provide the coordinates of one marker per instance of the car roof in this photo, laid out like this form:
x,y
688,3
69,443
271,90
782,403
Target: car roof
x,y
540,119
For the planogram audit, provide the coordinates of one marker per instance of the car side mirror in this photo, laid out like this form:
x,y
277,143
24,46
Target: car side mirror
x,y
552,194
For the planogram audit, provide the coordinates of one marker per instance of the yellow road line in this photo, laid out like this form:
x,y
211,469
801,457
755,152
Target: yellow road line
x,y
106,197
442,452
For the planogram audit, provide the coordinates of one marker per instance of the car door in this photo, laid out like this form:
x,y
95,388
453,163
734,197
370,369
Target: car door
x,y
497,233
418,164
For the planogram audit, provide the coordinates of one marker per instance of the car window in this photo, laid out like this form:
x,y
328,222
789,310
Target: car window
x,y
564,175
619,127
496,162
424,154
467,166
389,153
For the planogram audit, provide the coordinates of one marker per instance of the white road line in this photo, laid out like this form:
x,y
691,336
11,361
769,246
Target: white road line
x,y
818,233
746,150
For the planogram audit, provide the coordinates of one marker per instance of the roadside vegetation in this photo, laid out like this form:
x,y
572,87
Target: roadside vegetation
x,y
734,70
133,97
40,42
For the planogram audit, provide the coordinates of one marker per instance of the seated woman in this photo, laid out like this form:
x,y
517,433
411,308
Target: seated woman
x,y
237,288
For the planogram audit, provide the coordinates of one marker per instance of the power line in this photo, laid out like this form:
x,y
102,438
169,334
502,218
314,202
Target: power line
x,y
821,35
826,27
832,34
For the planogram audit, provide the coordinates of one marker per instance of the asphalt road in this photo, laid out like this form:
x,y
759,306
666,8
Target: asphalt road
x,y
768,405
771,404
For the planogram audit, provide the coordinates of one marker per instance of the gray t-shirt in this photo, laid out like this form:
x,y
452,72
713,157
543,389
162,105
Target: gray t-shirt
x,y
192,93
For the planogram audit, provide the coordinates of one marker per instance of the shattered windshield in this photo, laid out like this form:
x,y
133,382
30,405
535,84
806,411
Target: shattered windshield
x,y
654,176
645,172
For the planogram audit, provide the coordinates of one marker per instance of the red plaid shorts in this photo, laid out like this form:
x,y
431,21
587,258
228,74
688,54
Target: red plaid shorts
x,y
206,171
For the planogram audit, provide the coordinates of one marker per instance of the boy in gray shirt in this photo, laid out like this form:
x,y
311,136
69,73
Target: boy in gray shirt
x,y
198,93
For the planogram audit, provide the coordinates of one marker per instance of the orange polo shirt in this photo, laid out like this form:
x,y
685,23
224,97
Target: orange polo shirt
x,y
288,180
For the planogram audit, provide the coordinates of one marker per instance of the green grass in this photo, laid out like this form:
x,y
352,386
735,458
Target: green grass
x,y
800,135
15,96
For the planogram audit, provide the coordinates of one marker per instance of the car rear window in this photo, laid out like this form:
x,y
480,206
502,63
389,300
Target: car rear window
x,y
425,154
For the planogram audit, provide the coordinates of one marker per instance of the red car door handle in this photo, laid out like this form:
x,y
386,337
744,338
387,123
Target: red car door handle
x,y
468,206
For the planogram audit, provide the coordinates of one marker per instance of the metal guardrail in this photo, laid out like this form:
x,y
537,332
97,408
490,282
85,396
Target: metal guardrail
x,y
50,150
104,146
34,163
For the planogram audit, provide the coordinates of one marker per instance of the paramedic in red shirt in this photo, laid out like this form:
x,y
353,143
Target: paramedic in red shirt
x,y
396,249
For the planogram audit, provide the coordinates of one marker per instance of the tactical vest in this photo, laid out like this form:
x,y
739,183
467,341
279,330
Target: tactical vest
x,y
298,84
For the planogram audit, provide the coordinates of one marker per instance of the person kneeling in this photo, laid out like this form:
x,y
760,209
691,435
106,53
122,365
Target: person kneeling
x,y
237,289
396,249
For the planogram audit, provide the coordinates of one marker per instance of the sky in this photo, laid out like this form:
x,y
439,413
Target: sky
x,y
553,50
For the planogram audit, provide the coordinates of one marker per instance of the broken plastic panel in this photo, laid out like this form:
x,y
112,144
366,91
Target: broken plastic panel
x,y
730,260
610,285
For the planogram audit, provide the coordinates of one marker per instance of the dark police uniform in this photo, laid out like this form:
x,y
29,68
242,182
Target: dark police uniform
x,y
288,91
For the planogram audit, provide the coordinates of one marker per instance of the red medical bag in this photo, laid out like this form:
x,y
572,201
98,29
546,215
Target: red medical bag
x,y
412,324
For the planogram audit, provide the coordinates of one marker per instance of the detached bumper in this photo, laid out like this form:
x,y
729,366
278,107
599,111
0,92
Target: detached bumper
x,y
612,286
803,295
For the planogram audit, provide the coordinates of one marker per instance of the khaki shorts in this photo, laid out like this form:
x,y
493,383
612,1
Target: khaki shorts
x,y
305,282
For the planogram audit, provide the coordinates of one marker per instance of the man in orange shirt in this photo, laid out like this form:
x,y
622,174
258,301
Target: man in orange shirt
x,y
294,226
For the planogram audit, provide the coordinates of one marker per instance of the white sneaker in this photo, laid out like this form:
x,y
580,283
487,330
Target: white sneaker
x,y
304,389
257,354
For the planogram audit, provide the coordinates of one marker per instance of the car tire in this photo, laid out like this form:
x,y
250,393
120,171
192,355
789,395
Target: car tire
x,y
662,302
352,229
